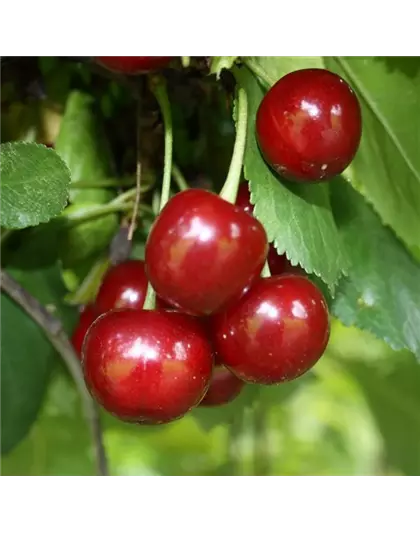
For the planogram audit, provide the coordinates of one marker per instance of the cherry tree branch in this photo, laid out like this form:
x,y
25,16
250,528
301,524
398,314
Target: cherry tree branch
x,y
53,329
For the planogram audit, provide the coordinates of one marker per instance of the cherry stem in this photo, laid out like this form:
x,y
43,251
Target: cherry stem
x,y
101,184
158,86
133,222
55,333
231,186
161,95
179,178
258,71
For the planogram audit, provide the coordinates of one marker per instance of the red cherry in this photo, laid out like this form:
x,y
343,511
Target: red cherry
x,y
124,287
87,316
147,366
133,65
309,125
276,332
202,252
224,388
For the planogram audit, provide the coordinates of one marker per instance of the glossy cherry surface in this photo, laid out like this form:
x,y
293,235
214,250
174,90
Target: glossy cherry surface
x,y
147,366
278,263
124,286
133,65
224,388
202,252
309,125
87,316
276,332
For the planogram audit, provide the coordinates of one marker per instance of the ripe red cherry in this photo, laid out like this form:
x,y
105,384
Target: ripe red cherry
x,y
124,287
309,125
202,252
147,366
87,316
276,332
133,65
224,388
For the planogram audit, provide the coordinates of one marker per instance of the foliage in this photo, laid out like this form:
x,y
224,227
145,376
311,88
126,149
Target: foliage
x,y
356,413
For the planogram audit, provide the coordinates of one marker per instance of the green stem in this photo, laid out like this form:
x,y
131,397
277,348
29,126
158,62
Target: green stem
x,y
161,95
231,186
185,60
95,212
258,71
112,182
179,178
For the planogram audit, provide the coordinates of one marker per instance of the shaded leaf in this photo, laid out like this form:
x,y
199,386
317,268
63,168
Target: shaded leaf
x,y
81,143
26,355
382,293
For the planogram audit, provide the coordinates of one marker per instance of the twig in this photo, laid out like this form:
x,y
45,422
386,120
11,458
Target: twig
x,y
134,216
53,329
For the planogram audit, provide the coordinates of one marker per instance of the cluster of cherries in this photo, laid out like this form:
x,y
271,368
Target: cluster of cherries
x,y
218,324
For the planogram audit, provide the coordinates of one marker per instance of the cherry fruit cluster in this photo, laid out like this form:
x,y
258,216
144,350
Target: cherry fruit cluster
x,y
218,324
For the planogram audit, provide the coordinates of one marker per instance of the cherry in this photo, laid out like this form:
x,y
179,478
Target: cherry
x,y
278,263
124,286
133,65
202,252
147,366
309,125
87,316
224,388
276,332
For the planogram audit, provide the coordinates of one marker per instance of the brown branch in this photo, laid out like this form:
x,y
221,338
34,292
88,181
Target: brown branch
x,y
53,329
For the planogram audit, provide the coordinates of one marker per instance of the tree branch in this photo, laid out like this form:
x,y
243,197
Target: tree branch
x,y
53,329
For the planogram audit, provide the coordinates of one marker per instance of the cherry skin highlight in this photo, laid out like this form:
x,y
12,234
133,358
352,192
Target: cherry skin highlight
x,y
147,366
87,316
124,286
275,333
309,125
202,252
224,388
133,65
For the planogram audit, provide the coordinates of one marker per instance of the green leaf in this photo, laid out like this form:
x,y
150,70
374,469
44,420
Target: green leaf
x,y
81,143
34,184
382,294
26,354
220,63
82,240
296,217
386,169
